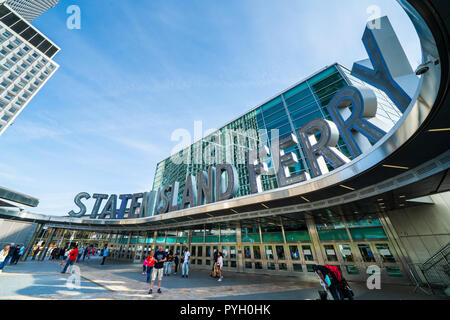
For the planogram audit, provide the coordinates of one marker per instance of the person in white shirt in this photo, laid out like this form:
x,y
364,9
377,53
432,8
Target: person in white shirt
x,y
185,270
220,265
4,257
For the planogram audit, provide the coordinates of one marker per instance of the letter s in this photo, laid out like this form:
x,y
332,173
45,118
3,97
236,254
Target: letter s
x,y
81,205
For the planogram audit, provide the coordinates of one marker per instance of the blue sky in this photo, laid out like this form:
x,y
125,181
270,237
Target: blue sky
x,y
137,70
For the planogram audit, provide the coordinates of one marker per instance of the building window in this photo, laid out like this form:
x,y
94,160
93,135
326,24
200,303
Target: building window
x,y
280,253
385,253
366,253
256,252
247,252
346,253
331,254
297,267
307,253
295,254
6,34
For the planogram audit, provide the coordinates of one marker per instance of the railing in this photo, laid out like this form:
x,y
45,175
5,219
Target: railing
x,y
434,273
437,269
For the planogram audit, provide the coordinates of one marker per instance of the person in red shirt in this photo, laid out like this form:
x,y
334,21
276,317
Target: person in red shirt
x,y
72,257
149,263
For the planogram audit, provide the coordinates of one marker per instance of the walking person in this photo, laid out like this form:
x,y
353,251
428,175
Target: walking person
x,y
3,255
149,264
220,265
176,260
158,271
215,256
80,253
21,251
71,258
105,255
169,262
186,260
85,252
15,255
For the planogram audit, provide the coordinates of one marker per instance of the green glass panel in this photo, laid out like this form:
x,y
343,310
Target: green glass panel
x,y
352,269
228,238
339,234
272,237
272,103
141,240
368,233
197,240
210,239
297,236
297,89
251,238
149,240
394,272
160,240
321,76
133,240
171,240
182,240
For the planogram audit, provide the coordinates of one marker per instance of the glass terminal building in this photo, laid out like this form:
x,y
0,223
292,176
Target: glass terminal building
x,y
282,245
286,113
387,207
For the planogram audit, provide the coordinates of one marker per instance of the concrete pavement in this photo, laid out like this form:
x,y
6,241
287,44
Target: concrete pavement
x,y
43,280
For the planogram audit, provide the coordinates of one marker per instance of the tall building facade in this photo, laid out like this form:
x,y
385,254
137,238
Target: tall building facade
x,y
31,9
25,64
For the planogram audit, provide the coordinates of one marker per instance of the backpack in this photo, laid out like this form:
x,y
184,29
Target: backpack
x,y
335,272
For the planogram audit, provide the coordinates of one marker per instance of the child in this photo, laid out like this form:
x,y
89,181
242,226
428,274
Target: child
x,y
149,263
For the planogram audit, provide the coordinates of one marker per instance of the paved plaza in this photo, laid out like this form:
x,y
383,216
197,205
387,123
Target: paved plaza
x,y
43,280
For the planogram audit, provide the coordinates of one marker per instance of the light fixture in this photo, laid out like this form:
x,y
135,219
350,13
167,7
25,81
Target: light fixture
x,y
395,167
402,197
402,205
380,200
265,206
346,187
234,211
439,130
305,199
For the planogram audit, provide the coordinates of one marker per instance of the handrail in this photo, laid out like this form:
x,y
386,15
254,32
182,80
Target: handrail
x,y
440,252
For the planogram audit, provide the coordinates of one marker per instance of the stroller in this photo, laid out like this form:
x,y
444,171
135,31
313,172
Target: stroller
x,y
345,290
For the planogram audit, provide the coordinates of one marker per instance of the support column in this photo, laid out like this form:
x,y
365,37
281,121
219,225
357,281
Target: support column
x,y
240,256
48,241
31,242
128,244
314,235
189,240
396,242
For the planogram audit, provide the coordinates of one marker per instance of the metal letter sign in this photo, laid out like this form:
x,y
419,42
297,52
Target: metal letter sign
x,y
388,68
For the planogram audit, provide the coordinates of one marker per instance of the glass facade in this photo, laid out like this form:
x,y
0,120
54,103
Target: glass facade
x,y
287,113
